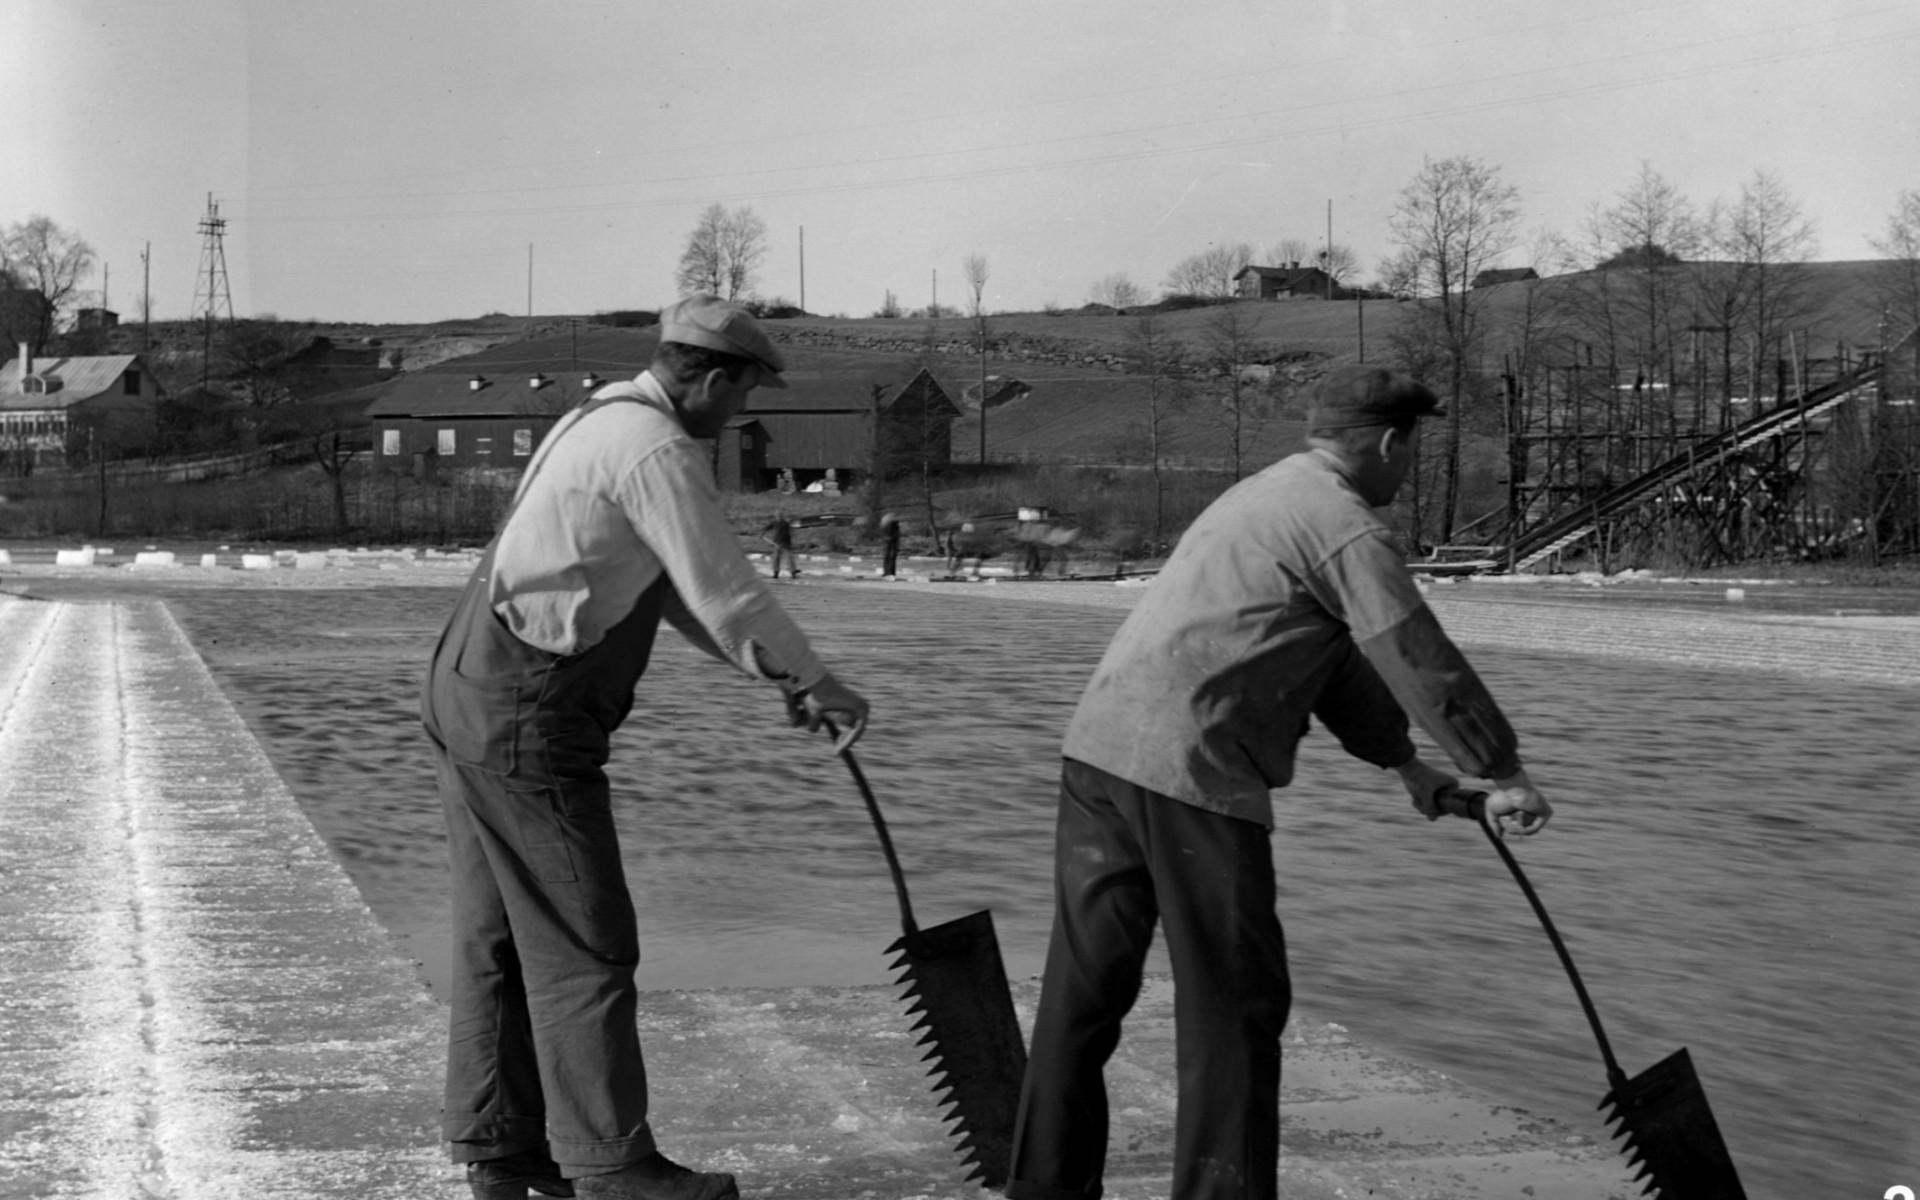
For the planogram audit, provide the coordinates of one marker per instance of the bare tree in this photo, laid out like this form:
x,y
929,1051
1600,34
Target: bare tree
x,y
42,257
1290,250
1759,284
1454,220
974,268
1151,352
1651,216
743,246
1117,292
1229,347
723,253
1339,262
1900,275
1209,273
1636,301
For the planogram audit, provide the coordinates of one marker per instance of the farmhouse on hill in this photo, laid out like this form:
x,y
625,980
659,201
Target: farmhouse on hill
x,y
491,409
54,409
1291,282
1493,275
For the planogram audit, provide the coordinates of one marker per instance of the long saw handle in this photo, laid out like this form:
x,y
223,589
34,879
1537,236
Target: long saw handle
x,y
879,827
1474,805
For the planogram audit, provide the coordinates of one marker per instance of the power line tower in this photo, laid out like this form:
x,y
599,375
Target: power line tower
x,y
211,295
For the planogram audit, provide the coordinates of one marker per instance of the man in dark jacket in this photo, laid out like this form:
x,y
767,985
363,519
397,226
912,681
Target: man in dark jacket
x,y
1286,599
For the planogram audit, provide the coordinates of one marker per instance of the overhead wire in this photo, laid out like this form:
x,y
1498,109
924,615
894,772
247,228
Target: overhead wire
x,y
1599,87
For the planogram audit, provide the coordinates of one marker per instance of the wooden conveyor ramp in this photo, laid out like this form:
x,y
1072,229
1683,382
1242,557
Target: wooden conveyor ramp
x,y
1570,527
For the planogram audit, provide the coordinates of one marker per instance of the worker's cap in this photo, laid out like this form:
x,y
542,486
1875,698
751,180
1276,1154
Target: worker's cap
x,y
1358,396
717,324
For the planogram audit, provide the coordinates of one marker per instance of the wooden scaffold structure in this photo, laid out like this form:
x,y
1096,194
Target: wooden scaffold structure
x,y
1624,468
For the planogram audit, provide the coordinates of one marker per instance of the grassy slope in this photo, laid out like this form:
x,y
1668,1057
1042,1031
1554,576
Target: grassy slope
x,y
1100,417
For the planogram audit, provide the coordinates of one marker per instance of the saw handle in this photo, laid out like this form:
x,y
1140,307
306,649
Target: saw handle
x,y
1473,804
879,827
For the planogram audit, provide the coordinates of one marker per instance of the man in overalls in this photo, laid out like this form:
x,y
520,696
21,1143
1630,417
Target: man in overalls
x,y
616,525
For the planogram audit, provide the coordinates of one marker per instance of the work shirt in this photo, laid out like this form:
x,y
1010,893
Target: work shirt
x,y
1286,599
613,499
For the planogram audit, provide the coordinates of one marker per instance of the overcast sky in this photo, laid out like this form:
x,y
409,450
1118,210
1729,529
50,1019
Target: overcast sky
x,y
394,161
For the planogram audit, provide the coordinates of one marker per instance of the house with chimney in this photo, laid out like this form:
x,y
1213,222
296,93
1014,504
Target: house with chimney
x,y
1290,282
59,410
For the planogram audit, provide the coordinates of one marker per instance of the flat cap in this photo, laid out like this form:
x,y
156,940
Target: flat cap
x,y
1358,396
721,325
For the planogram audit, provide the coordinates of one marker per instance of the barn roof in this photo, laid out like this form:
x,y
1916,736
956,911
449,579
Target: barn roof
x,y
81,377
818,381
1281,273
443,395
1493,275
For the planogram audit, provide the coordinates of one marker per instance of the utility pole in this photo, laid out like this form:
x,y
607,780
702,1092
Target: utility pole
x,y
934,312
529,281
146,297
803,268
1328,262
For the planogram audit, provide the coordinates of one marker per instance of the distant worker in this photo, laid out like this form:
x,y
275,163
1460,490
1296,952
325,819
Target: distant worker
x,y
1286,599
778,533
616,526
890,545
1032,536
1060,540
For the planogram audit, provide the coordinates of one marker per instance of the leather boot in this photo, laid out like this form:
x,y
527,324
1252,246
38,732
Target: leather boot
x,y
657,1178
512,1177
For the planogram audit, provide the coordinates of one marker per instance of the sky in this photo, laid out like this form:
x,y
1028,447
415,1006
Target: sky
x,y
435,159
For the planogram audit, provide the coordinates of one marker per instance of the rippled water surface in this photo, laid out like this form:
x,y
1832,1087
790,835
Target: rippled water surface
x,y
1733,862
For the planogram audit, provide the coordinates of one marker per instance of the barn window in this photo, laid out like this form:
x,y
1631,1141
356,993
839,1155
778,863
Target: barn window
x,y
522,442
130,383
483,445
447,446
390,441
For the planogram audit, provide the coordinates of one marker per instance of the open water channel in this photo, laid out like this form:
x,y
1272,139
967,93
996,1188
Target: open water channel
x,y
1733,860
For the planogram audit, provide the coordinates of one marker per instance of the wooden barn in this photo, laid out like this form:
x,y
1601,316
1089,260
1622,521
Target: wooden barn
x,y
826,419
491,409
436,421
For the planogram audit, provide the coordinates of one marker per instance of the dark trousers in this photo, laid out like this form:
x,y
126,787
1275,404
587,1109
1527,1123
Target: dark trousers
x,y
543,1048
1126,857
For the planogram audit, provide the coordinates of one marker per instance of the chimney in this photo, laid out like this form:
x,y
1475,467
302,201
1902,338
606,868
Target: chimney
x,y
476,383
26,359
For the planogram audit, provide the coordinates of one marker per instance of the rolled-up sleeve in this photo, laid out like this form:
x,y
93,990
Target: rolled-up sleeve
x,y
1365,584
670,499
